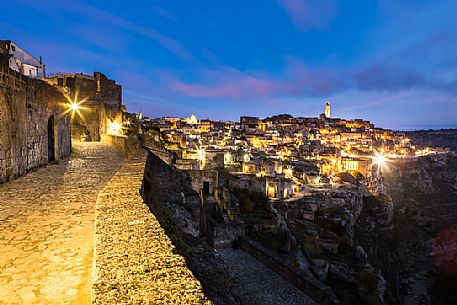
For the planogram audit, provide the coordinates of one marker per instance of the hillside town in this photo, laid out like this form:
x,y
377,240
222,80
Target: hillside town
x,y
288,154
307,197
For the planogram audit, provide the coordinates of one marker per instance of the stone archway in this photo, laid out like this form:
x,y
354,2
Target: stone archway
x,y
51,139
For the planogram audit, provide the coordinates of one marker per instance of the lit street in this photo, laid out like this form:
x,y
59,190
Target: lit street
x,y
46,228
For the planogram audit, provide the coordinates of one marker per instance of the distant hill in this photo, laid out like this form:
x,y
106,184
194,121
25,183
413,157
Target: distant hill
x,y
434,138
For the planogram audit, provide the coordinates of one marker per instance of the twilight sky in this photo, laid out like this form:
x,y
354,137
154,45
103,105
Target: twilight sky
x,y
393,62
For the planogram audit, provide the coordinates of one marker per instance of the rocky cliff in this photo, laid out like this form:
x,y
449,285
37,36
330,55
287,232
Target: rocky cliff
x,y
434,138
324,225
390,247
424,192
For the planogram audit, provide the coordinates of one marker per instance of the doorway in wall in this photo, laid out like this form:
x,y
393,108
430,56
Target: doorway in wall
x,y
206,187
51,152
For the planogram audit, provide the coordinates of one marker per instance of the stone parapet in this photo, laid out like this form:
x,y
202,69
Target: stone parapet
x,y
135,261
128,145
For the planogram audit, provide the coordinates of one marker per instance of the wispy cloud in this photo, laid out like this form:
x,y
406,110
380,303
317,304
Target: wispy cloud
x,y
172,45
230,83
370,102
307,14
384,77
297,79
88,10
165,14
200,90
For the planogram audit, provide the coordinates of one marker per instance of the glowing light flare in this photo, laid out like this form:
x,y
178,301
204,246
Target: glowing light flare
x,y
114,128
200,154
74,106
380,160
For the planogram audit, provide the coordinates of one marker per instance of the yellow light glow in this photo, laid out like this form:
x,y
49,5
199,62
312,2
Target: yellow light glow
x,y
192,120
73,106
256,143
288,173
200,154
114,128
227,158
380,160
246,158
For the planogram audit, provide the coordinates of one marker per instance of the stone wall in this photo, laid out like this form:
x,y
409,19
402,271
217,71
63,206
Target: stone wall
x,y
224,234
163,183
128,145
27,106
154,143
199,177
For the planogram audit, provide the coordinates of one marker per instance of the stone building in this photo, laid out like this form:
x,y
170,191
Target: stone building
x,y
267,168
33,129
363,166
21,61
279,188
100,101
249,124
249,168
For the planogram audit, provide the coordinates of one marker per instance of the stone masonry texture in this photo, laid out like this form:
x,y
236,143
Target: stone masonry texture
x,y
135,261
47,225
26,107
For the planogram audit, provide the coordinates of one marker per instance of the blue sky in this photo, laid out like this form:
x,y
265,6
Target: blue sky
x,y
393,62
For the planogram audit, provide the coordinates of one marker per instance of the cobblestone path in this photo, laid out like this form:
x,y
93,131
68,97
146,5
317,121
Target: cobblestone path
x,y
259,285
47,225
135,261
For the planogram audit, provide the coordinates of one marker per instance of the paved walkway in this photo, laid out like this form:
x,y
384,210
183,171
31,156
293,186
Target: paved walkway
x,y
259,285
136,262
46,228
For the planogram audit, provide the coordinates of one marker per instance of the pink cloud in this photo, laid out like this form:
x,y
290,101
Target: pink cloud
x,y
230,83
309,14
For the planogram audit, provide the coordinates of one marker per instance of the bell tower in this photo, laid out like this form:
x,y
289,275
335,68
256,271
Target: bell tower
x,y
327,109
